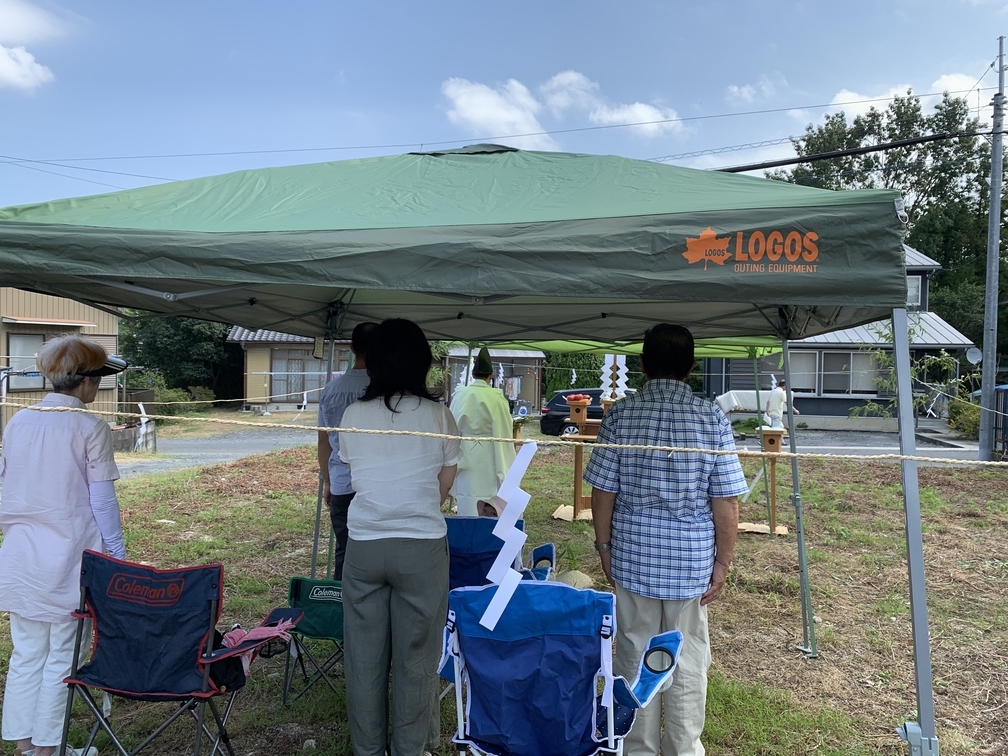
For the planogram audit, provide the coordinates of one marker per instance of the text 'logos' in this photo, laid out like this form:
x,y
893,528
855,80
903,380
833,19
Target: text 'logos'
x,y
757,251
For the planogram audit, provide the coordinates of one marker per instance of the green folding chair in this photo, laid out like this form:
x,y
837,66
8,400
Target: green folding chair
x,y
322,604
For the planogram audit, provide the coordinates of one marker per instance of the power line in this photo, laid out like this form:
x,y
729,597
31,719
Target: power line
x,y
864,150
63,175
403,145
720,150
19,160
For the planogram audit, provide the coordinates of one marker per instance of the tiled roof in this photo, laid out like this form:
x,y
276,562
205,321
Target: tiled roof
x,y
245,336
928,331
918,261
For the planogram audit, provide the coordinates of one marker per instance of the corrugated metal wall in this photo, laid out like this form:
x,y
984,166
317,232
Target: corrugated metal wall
x,y
103,327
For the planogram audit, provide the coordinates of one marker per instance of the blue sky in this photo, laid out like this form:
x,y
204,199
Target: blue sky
x,y
128,79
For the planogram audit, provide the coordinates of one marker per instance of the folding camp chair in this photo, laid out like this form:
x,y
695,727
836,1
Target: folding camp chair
x,y
530,685
322,604
154,640
472,549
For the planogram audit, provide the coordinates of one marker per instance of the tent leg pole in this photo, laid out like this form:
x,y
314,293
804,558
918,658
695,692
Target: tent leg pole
x,y
335,321
808,621
330,554
759,435
919,735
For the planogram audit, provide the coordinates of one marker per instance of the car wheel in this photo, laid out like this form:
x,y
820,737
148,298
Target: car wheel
x,y
569,429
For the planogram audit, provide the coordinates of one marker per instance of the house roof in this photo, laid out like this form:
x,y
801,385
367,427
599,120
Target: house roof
x,y
461,350
918,261
927,331
263,336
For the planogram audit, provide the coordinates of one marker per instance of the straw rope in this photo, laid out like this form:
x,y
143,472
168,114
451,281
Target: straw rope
x,y
560,442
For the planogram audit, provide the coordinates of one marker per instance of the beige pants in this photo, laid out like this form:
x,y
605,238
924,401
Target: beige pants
x,y
684,700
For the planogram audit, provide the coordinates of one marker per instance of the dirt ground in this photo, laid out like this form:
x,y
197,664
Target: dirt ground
x,y
256,516
856,546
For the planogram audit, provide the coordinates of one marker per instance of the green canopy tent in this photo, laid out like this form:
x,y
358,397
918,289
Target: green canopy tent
x,y
492,244
487,243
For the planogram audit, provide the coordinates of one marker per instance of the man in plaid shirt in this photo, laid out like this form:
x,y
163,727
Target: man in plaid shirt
x,y
665,528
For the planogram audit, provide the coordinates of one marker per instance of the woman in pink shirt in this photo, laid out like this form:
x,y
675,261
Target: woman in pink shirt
x,y
58,500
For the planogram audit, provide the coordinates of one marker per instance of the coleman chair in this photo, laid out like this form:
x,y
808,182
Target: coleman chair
x,y
472,549
529,687
155,639
322,604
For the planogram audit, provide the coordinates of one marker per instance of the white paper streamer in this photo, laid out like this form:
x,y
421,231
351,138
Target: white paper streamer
x,y
503,573
500,600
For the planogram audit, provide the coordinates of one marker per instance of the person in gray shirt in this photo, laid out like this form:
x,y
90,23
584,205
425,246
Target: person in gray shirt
x,y
340,393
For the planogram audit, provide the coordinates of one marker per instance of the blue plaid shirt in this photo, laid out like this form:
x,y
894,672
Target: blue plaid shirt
x,y
663,527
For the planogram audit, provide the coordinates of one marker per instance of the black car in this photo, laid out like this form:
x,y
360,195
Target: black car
x,y
556,411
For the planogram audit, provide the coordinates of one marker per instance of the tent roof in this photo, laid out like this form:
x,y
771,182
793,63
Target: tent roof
x,y
486,243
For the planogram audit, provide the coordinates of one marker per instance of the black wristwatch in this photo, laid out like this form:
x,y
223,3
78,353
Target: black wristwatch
x,y
600,547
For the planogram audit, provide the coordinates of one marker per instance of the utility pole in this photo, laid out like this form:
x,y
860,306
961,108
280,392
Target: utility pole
x,y
989,372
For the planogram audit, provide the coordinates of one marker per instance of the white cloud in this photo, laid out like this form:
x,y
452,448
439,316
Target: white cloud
x,y
763,89
19,70
958,85
642,114
512,109
486,112
745,93
570,89
855,104
22,23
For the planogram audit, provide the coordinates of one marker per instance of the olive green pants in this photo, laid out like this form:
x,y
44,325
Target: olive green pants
x,y
395,601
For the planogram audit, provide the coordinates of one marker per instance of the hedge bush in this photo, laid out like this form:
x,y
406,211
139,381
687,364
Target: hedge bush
x,y
965,417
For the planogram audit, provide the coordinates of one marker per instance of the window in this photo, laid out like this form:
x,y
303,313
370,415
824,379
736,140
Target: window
x,y
850,373
22,348
344,360
913,292
803,372
294,372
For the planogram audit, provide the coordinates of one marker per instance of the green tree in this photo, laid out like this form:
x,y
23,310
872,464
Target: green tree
x,y
944,187
962,305
186,351
558,367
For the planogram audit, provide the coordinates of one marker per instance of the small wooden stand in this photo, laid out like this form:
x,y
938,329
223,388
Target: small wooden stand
x,y
581,502
772,441
587,433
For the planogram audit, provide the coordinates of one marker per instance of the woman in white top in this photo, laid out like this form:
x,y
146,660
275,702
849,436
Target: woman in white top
x,y
58,500
395,577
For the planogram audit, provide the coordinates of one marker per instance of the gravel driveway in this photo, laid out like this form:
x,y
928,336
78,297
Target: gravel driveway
x,y
177,453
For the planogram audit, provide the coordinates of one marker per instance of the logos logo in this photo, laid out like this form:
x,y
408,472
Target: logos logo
x,y
325,593
145,591
756,251
708,248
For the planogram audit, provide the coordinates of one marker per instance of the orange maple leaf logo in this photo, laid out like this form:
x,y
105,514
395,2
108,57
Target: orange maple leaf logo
x,y
707,247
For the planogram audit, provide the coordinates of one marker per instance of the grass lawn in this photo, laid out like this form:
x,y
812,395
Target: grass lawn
x,y
765,698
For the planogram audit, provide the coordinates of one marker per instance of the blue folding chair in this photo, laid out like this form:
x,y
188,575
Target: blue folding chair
x,y
472,549
155,640
529,687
